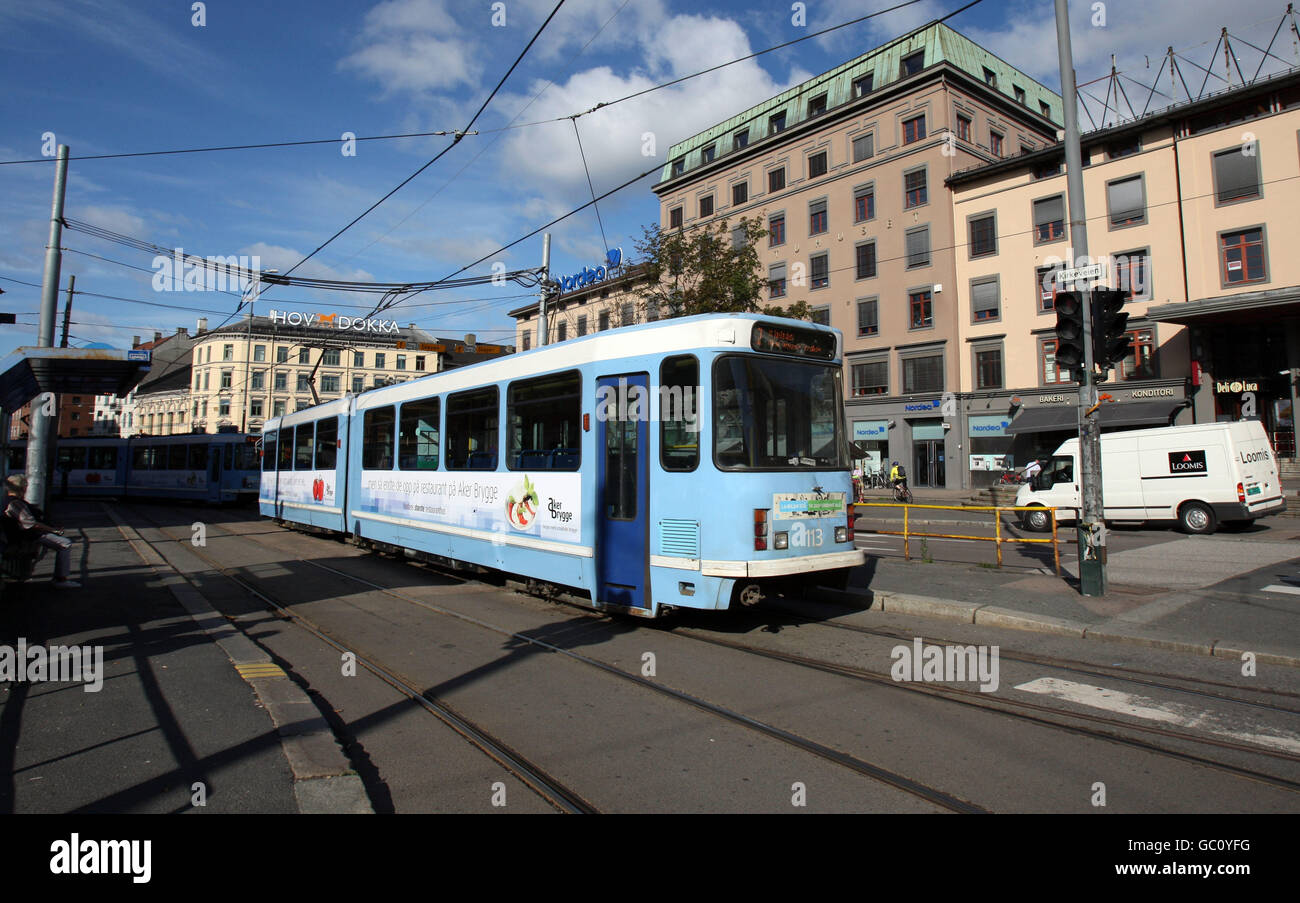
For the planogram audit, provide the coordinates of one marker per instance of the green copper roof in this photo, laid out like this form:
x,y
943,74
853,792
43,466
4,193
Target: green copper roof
x,y
939,43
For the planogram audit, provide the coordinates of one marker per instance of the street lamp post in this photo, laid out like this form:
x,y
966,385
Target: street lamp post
x,y
254,290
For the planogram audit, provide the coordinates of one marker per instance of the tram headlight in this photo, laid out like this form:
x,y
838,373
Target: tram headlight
x,y
782,541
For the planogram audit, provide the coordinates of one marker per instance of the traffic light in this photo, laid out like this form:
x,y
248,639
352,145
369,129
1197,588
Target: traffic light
x,y
1110,341
1069,331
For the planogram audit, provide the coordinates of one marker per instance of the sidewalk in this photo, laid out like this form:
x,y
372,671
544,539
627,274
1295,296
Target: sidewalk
x,y
171,712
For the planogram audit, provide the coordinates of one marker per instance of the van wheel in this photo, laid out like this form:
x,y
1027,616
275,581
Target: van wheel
x,y
1037,520
1196,517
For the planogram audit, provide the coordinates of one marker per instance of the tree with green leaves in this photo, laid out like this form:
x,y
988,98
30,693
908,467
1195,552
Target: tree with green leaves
x,y
708,269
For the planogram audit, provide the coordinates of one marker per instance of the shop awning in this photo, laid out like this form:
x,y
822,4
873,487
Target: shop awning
x,y
1066,418
29,371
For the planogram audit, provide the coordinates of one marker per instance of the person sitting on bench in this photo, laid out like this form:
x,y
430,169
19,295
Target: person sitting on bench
x,y
19,512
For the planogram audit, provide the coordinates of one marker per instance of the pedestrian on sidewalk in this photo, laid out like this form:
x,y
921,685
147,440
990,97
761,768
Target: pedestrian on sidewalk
x,y
30,529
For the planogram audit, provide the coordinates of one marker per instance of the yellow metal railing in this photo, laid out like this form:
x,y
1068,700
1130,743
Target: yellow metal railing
x,y
997,538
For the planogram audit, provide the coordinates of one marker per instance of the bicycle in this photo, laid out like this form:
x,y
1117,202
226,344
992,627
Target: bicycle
x,y
902,493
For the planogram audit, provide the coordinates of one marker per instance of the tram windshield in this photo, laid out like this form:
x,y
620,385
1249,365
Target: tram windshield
x,y
772,414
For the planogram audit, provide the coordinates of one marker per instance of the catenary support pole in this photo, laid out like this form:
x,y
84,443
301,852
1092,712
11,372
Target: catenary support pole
x,y
43,408
542,329
1091,526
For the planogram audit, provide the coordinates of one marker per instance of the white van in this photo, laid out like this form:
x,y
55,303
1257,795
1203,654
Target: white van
x,y
1200,475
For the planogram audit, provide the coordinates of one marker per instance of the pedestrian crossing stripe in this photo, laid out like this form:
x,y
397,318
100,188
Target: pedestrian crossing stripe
x,y
257,670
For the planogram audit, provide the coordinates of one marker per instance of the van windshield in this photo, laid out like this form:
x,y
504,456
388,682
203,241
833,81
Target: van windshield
x,y
1060,469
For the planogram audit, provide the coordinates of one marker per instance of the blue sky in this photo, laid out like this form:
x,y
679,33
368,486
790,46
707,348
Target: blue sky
x,y
112,76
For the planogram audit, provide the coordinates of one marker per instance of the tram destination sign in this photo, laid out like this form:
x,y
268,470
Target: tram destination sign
x,y
776,339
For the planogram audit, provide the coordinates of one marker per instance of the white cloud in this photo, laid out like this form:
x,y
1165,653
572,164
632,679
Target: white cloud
x,y
416,46
282,258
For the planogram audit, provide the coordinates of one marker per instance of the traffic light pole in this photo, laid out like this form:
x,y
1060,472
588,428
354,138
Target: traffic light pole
x,y
1091,525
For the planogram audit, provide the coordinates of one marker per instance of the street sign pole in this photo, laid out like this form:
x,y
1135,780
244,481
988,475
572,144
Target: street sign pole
x,y
1091,524
41,445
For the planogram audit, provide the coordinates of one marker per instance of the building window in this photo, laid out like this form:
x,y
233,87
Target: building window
x,y
988,368
329,384
255,407
675,218
911,64
776,231
419,363
227,352
706,206
740,139
995,143
817,165
1049,219
359,359
821,273
1019,93
401,362
863,84
628,313
1125,148
776,281
304,355
920,310
871,378
259,353
1045,109
206,375
1140,362
915,192
1243,258
359,383
303,385
817,217
918,247
562,331
864,204
1047,170
739,193
226,379
817,106
259,379
864,147
198,379
679,166
913,129
708,153
1236,176
277,409
1132,275
923,374
821,316
865,255
582,324
985,298
330,357
990,77
281,381
983,235
379,361
776,179
603,320
776,123
281,355
1126,201
224,409
738,237
1045,288
868,317
1051,374
963,129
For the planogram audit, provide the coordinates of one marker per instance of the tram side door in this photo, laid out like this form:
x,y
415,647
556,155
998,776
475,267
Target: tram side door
x,y
622,488
214,472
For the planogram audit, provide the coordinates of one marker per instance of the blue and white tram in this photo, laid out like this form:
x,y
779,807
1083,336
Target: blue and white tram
x,y
687,463
304,466
219,468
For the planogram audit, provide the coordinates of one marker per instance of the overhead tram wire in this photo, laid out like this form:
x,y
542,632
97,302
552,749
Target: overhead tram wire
x,y
587,170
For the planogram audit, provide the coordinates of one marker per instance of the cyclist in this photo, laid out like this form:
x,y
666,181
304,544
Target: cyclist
x,y
897,476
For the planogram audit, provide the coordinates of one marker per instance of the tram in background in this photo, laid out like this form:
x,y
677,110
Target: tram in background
x,y
687,463
210,467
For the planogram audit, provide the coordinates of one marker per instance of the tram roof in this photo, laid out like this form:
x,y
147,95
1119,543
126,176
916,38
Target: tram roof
x,y
29,371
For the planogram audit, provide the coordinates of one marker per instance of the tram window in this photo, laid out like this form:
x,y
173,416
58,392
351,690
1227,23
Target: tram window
x,y
377,439
103,457
472,427
679,413
158,457
771,414
285,459
268,451
229,455
417,443
176,457
327,447
245,457
303,446
17,458
140,458
72,458
620,468
198,457
545,417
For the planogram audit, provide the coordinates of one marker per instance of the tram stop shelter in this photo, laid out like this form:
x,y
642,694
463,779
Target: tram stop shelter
x,y
28,371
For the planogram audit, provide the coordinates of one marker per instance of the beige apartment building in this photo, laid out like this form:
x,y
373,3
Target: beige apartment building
x,y
1192,210
241,374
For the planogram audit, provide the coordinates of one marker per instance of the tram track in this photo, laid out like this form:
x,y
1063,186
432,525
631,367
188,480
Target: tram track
x,y
562,798
932,795
1041,715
